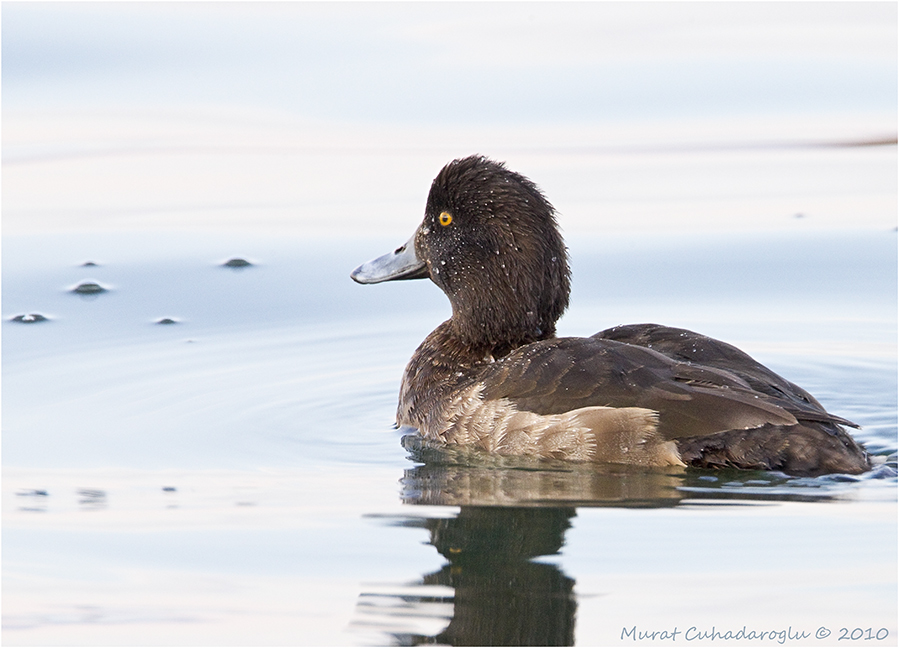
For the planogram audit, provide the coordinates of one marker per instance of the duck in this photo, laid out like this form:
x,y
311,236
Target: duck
x,y
495,377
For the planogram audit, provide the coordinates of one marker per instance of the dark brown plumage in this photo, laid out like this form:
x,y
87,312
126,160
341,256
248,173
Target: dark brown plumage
x,y
505,229
495,376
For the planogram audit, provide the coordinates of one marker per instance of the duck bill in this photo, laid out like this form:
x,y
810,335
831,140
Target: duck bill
x,y
402,263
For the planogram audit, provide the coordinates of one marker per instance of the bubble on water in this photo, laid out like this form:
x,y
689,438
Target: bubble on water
x,y
29,318
236,262
89,288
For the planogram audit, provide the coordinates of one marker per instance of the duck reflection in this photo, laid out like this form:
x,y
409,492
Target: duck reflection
x,y
511,512
491,591
502,597
522,482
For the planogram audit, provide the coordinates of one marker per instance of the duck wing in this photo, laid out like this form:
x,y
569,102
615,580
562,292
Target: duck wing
x,y
687,346
564,374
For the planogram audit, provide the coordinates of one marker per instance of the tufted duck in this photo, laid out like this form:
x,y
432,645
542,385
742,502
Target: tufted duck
x,y
495,376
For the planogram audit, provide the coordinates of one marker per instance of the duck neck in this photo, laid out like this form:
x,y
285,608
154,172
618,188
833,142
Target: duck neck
x,y
494,330
441,365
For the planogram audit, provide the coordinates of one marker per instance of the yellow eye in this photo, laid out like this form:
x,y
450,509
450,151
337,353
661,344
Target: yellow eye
x,y
445,218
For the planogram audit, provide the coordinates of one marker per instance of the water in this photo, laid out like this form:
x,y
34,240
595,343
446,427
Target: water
x,y
233,477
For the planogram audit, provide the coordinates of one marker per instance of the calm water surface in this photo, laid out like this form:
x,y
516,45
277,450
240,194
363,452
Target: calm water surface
x,y
233,477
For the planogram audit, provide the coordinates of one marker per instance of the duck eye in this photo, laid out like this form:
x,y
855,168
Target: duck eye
x,y
445,218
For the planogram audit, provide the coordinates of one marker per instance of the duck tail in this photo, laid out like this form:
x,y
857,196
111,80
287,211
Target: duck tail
x,y
808,449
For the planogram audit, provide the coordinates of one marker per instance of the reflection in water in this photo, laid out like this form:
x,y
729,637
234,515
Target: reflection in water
x,y
554,483
463,476
491,592
512,511
501,597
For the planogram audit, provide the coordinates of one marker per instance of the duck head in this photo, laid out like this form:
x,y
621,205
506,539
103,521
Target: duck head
x,y
490,241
